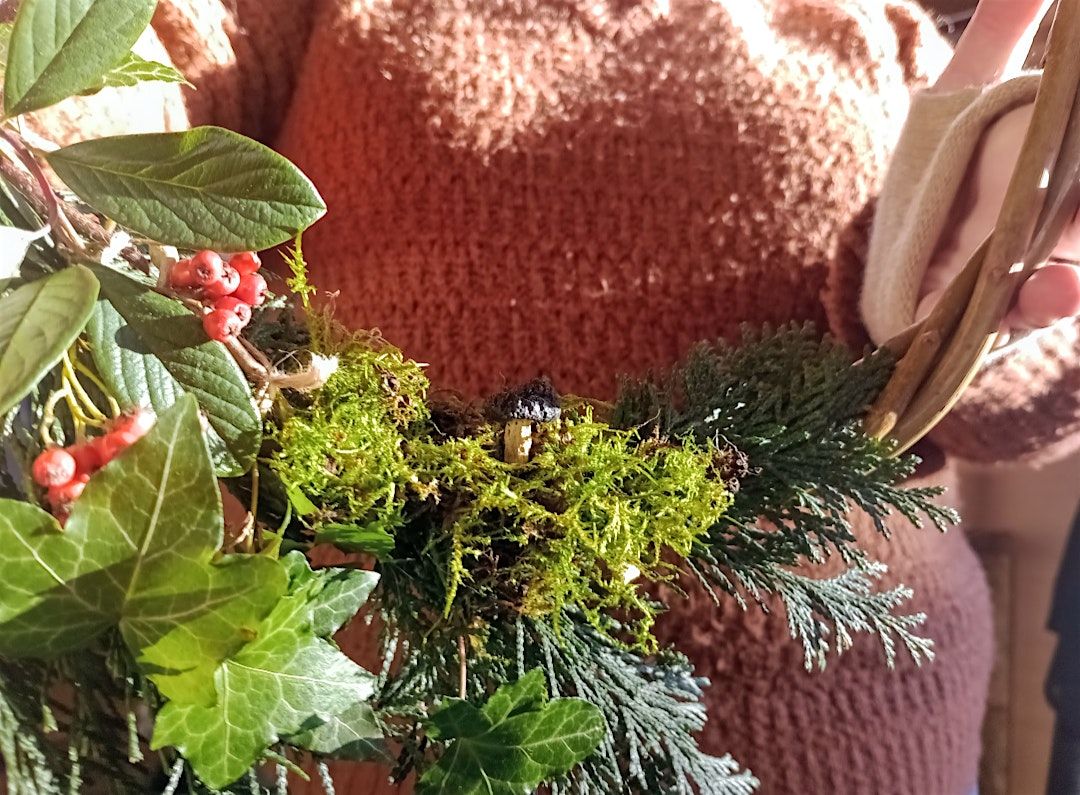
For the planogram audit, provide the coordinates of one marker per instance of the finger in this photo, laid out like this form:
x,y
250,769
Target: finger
x,y
1047,296
998,29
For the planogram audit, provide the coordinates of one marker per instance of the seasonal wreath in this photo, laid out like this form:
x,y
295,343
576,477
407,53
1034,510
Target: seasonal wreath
x,y
511,549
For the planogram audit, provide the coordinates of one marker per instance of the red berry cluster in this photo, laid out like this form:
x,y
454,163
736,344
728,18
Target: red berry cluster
x,y
65,471
228,289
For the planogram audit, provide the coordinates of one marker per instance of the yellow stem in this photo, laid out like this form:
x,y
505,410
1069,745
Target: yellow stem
x,y
114,407
49,415
78,418
71,379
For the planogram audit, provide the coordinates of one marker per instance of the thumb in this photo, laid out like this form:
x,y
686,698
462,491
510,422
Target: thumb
x,y
998,29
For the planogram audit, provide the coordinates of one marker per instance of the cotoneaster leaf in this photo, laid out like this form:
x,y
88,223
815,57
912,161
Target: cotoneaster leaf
x,y
60,48
135,69
205,188
150,350
38,322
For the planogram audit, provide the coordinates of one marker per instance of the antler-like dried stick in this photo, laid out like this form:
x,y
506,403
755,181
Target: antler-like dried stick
x,y
1021,220
918,348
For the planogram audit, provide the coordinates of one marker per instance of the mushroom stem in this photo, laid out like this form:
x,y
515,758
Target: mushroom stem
x,y
517,441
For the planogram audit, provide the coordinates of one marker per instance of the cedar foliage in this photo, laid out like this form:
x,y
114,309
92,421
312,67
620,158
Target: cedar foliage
x,y
788,404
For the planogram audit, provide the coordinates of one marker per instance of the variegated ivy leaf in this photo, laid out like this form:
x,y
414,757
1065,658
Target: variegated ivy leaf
x,y
136,553
354,734
339,592
286,681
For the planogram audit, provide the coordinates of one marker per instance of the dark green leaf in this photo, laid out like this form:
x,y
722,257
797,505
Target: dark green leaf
x,y
284,682
353,538
512,744
206,188
136,553
151,350
37,324
60,48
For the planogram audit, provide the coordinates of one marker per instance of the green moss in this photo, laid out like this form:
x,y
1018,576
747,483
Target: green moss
x,y
568,529
584,526
343,450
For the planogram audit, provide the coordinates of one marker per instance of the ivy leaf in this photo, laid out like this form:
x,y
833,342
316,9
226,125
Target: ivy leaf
x,y
513,743
38,322
338,593
60,48
286,681
134,69
150,351
354,538
226,600
355,734
205,188
136,553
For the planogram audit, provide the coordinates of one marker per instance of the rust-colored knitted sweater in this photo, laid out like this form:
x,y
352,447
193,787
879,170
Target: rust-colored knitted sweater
x,y
586,188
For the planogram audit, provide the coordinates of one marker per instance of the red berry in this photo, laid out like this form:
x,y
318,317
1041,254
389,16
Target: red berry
x,y
231,303
246,262
206,268
63,496
108,447
134,425
87,460
252,289
221,324
182,275
54,467
226,285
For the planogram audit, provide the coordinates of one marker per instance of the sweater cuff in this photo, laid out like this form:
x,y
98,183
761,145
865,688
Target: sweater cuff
x,y
937,144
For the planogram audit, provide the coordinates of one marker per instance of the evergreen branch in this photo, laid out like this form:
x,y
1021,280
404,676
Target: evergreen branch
x,y
789,406
653,706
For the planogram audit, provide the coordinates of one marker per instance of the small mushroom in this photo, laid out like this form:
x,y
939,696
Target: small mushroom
x,y
519,408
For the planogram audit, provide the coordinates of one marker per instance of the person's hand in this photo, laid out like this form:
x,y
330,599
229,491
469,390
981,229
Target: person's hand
x,y
989,45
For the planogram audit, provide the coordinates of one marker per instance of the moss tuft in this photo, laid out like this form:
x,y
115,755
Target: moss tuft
x,y
586,525
582,526
344,450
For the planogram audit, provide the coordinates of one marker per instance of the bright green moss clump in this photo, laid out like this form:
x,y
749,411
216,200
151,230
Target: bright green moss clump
x,y
343,451
583,525
467,538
